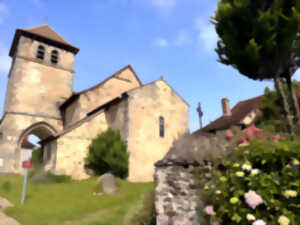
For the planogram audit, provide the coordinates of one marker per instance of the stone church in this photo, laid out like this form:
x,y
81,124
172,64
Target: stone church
x,y
40,101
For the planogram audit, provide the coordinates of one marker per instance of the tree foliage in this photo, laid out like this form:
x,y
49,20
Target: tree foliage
x,y
261,39
108,153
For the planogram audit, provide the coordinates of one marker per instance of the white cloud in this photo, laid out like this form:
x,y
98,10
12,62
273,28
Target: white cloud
x,y
207,35
161,42
182,38
3,12
164,3
5,60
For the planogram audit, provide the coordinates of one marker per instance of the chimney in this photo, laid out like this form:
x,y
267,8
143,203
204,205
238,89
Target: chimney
x,y
226,107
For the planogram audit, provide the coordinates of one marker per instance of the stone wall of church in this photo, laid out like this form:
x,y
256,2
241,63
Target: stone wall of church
x,y
36,86
11,129
99,95
145,106
72,147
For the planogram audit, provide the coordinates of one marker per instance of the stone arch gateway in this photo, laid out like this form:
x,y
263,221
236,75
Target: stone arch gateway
x,y
42,130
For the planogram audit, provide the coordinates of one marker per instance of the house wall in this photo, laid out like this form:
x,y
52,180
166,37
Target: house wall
x,y
95,97
249,118
145,106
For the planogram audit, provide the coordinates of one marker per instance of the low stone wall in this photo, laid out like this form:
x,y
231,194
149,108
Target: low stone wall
x,y
175,196
177,200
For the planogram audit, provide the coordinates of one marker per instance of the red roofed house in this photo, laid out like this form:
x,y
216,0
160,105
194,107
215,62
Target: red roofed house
x,y
241,115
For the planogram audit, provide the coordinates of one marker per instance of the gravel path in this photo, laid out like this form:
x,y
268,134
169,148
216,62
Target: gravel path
x,y
4,219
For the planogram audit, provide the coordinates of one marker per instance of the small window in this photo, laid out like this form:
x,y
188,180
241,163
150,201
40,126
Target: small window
x,y
54,57
40,52
161,127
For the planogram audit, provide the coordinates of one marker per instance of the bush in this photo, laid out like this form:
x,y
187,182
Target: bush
x,y
59,178
6,186
37,157
108,153
260,181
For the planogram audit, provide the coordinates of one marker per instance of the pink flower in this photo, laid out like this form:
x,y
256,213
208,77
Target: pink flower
x,y
250,131
259,222
215,223
245,141
253,199
209,209
229,134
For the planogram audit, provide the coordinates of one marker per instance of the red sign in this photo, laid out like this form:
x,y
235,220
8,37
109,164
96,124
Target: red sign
x,y
298,95
27,164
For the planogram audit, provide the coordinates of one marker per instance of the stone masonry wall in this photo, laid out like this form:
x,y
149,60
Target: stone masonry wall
x,y
175,196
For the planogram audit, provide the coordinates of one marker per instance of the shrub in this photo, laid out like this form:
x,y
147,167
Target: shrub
x,y
6,186
260,181
37,157
108,153
59,178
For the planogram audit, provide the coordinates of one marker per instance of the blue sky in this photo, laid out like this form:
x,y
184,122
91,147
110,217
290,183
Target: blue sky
x,y
169,38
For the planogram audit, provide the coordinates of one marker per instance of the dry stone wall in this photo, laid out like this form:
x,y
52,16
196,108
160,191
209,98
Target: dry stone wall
x,y
177,201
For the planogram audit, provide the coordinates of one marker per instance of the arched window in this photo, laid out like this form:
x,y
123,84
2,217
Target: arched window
x,y
161,126
40,52
54,57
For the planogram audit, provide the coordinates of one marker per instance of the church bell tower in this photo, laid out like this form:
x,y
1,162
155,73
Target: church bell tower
x,y
40,80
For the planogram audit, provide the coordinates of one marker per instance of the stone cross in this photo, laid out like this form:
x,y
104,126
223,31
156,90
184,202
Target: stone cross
x,y
200,113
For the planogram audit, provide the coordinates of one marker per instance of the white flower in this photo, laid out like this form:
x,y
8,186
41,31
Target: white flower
x,y
218,192
250,217
259,222
283,220
247,167
255,172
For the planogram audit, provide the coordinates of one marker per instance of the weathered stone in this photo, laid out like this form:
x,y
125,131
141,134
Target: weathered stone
x,y
108,183
41,177
4,203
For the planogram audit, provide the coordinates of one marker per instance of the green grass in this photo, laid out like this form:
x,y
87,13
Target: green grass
x,y
71,203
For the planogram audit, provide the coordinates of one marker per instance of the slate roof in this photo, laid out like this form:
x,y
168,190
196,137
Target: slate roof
x,y
43,33
238,113
75,95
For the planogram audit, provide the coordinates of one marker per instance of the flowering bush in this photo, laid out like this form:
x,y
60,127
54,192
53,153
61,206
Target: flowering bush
x,y
258,184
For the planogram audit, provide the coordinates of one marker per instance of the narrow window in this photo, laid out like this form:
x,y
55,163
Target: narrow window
x,y
161,127
54,57
40,52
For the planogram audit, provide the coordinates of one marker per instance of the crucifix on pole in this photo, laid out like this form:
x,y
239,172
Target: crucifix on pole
x,y
200,113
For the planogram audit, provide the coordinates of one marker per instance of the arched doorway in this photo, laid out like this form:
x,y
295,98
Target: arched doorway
x,y
41,130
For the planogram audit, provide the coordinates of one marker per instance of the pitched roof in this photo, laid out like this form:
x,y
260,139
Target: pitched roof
x,y
27,144
88,117
238,112
75,95
43,33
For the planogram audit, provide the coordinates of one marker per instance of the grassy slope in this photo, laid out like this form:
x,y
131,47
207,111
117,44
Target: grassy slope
x,y
71,203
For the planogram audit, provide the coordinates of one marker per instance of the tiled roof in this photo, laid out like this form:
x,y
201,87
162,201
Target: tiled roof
x,y
75,95
47,32
88,117
43,33
27,144
238,113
